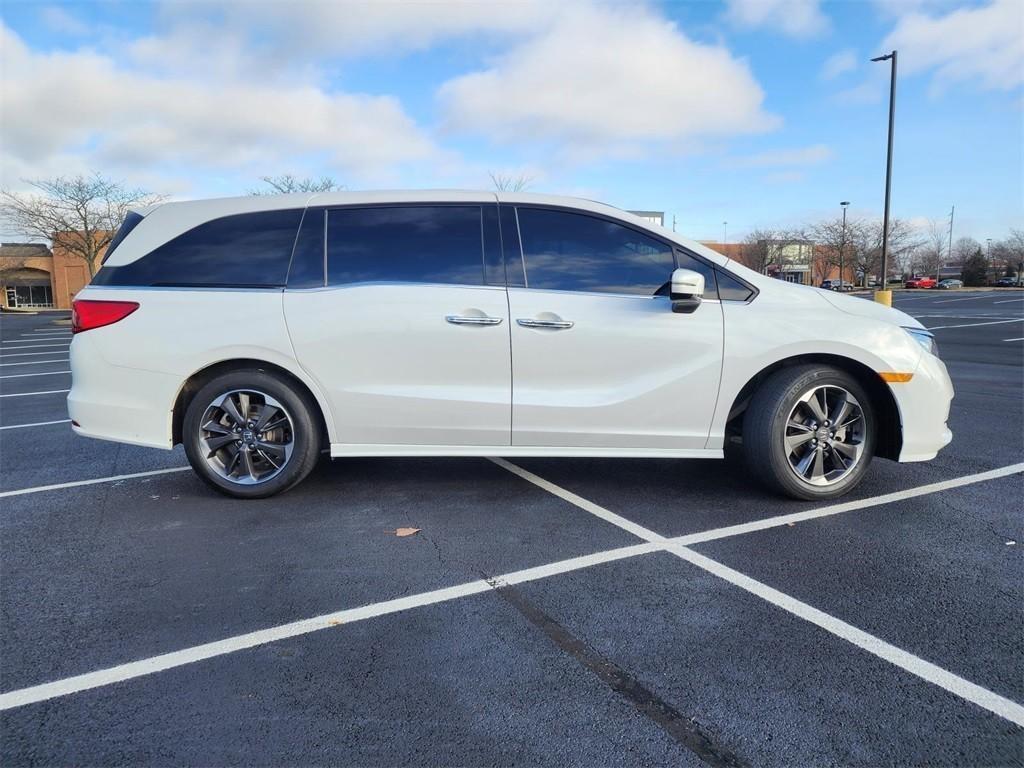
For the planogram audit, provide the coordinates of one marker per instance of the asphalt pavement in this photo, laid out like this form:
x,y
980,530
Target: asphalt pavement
x,y
547,611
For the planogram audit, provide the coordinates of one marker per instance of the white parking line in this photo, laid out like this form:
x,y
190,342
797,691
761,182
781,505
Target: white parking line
x,y
93,481
1020,339
23,375
120,673
37,424
54,334
905,660
27,354
972,325
45,392
656,542
968,298
38,362
1007,301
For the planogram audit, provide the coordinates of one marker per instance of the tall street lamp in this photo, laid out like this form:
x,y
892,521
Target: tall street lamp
x,y
842,243
884,296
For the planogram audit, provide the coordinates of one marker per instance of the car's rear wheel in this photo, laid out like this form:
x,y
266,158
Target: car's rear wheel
x,y
251,434
809,432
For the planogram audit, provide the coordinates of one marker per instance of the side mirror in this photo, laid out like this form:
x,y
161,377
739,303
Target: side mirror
x,y
687,288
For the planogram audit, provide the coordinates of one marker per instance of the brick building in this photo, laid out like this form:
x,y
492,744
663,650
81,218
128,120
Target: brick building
x,y
34,276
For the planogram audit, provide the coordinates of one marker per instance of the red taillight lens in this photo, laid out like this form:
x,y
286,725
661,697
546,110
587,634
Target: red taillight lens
x,y
87,314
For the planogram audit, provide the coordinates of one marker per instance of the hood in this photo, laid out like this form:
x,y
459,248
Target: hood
x,y
852,305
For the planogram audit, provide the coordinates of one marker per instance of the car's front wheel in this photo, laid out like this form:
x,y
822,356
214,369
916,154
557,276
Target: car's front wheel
x,y
809,432
251,434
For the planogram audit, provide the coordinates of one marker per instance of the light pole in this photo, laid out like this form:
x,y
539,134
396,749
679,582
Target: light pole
x,y
884,296
842,243
725,232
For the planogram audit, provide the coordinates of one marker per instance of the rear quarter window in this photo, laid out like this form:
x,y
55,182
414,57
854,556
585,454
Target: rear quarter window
x,y
249,250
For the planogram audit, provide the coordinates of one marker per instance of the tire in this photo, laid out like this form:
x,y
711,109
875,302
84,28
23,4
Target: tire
x,y
782,452
280,457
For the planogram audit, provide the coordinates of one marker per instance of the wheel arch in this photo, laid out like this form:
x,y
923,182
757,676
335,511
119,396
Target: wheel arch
x,y
198,380
890,428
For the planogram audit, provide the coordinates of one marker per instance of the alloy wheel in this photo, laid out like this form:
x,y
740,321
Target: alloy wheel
x,y
825,435
246,436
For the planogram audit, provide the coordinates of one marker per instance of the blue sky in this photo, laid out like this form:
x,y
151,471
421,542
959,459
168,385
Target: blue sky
x,y
756,112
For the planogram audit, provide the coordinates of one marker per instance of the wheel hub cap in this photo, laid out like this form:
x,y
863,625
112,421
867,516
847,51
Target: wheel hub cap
x,y
825,435
246,436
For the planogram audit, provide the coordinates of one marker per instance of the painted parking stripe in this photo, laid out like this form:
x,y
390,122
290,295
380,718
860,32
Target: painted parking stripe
x,y
23,375
974,325
37,424
965,689
849,506
915,665
38,362
44,392
19,347
1007,301
54,334
968,298
26,354
1020,339
93,481
123,672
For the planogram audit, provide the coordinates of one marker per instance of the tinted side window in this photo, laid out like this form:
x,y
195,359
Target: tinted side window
x,y
307,268
408,244
575,252
246,250
731,289
686,261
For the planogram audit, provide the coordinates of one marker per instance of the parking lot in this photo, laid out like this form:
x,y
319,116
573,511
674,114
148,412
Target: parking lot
x,y
547,612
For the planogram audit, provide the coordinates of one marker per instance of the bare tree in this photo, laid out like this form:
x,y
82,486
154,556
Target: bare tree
x,y
759,249
286,183
904,241
929,257
81,213
838,245
964,248
505,183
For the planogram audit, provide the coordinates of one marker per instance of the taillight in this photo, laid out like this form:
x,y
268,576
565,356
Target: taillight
x,y
87,314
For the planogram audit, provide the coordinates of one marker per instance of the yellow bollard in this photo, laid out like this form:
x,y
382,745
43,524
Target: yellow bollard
x,y
884,297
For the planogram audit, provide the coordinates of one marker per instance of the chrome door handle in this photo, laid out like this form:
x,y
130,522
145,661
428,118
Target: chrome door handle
x,y
553,324
472,320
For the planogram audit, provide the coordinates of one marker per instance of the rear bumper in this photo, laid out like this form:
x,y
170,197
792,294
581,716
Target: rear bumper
x,y
111,402
924,403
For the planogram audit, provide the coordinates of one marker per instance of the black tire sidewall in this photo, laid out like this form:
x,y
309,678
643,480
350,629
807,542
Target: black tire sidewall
x,y
305,431
776,400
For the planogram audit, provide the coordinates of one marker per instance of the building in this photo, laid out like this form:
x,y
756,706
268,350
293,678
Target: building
x,y
655,217
795,261
32,276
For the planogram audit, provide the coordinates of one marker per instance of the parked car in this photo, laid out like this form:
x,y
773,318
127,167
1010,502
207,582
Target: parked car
x,y
950,282
1006,282
260,331
837,285
920,282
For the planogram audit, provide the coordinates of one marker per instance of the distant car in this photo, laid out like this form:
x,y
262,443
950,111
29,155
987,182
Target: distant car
x,y
1006,282
920,282
951,282
837,285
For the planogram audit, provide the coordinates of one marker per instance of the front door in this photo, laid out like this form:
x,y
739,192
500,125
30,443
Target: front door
x,y
600,360
409,343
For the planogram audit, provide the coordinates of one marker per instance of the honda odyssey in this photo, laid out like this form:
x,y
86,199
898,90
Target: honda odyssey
x,y
260,331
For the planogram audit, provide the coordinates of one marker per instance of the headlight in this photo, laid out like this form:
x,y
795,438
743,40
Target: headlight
x,y
925,338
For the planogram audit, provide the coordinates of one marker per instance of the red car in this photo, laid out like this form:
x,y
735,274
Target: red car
x,y
920,282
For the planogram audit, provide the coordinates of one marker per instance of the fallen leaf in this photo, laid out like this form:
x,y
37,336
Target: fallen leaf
x,y
406,531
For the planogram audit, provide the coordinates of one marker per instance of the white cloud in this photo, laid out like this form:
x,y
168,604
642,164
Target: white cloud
x,y
795,18
608,79
983,43
802,156
839,64
82,104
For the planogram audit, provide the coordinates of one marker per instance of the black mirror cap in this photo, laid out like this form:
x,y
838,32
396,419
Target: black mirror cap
x,y
684,304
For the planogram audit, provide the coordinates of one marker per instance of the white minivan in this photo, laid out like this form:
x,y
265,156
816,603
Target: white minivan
x,y
261,331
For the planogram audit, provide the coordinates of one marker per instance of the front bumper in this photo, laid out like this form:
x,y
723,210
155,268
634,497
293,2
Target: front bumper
x,y
924,404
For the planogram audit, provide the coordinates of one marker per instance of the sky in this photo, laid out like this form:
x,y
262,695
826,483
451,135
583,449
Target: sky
x,y
759,113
